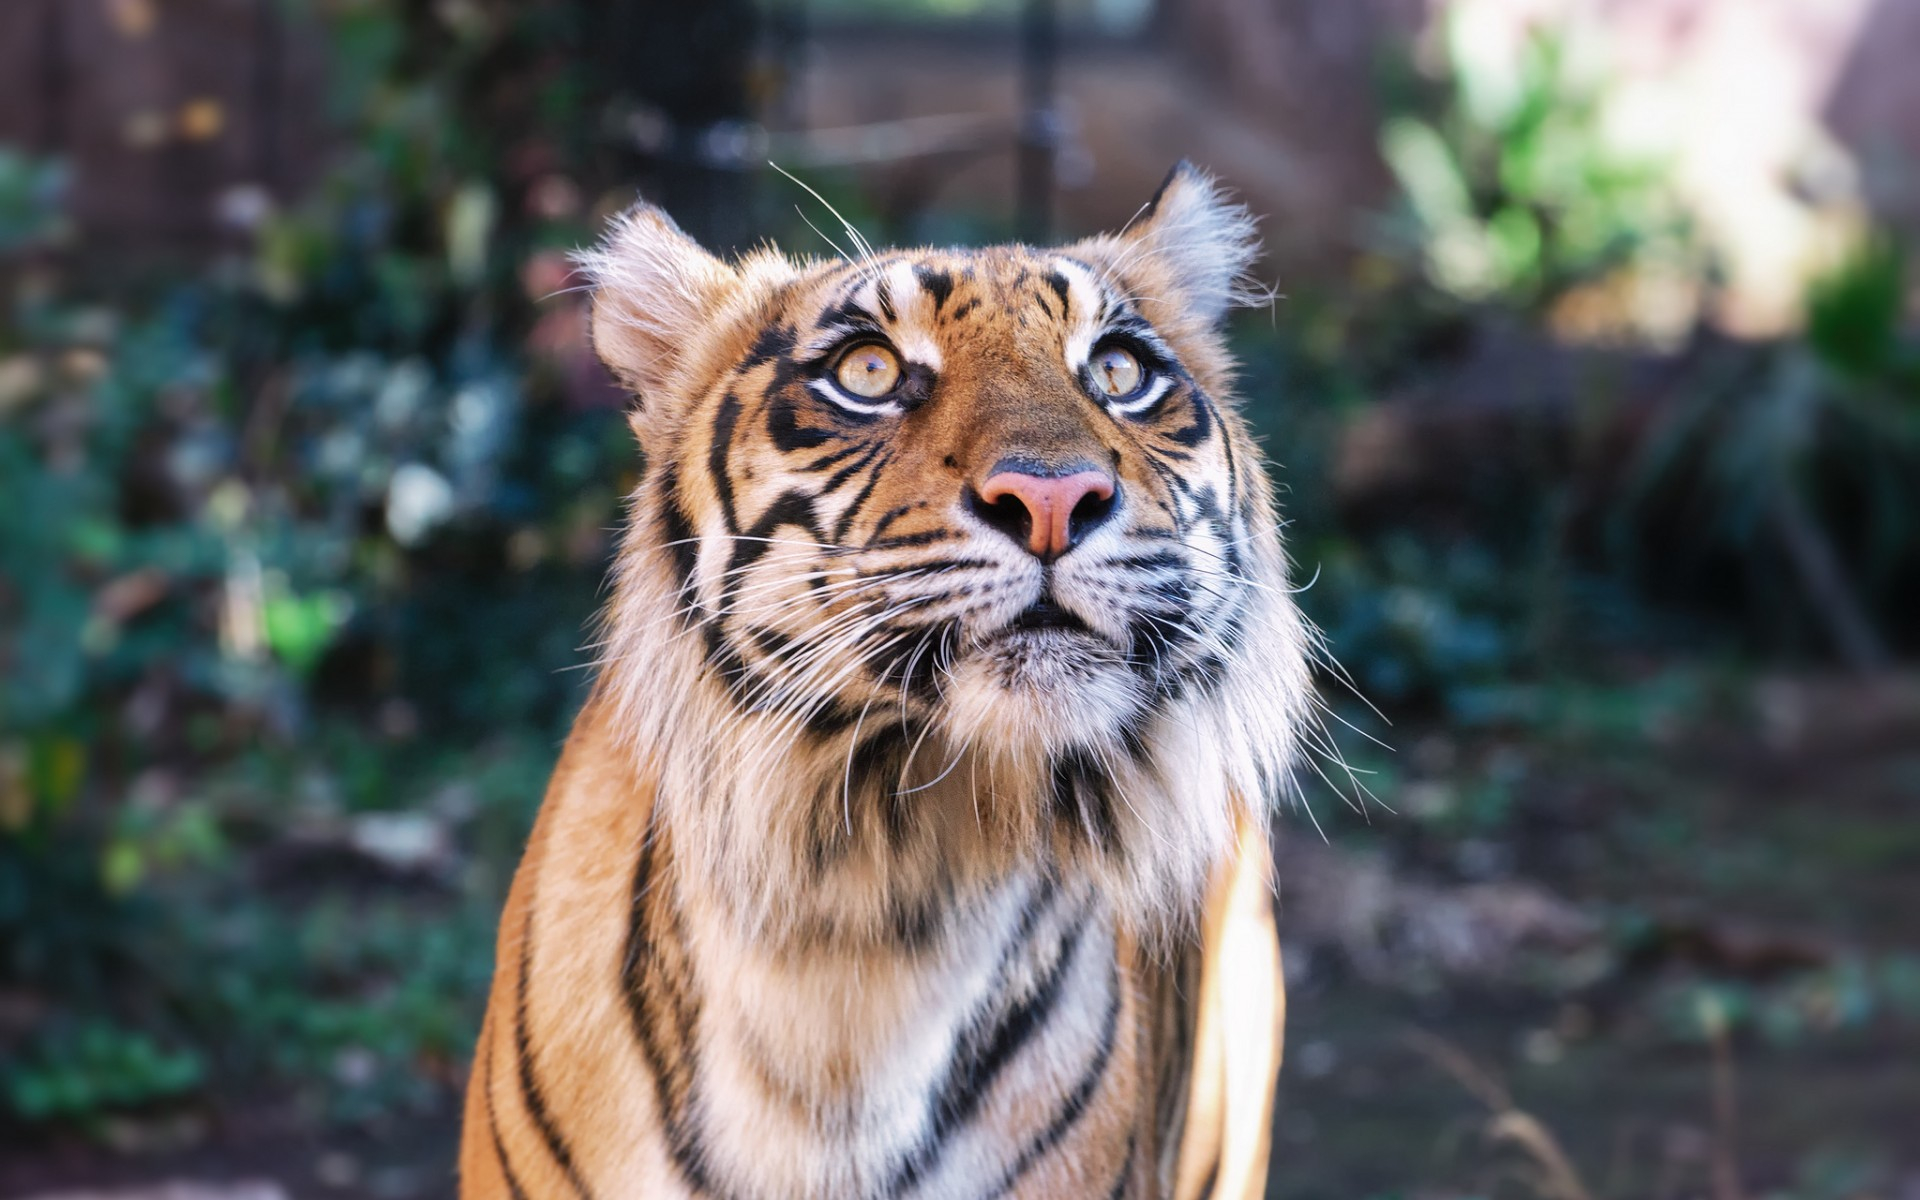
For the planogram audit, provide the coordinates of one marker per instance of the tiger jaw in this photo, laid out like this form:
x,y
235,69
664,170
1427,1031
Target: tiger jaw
x,y
1028,693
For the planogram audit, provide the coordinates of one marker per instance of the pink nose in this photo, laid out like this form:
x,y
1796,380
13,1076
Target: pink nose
x,y
1048,514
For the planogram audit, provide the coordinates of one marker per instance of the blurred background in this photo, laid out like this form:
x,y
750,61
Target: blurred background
x,y
1593,393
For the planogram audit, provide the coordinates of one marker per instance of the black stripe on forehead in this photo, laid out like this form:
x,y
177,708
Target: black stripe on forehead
x,y
936,283
843,308
844,313
1110,300
773,342
1058,283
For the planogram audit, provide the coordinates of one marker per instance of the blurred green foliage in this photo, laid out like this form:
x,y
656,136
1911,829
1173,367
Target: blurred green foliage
x,y
1799,464
275,535
1777,481
1519,185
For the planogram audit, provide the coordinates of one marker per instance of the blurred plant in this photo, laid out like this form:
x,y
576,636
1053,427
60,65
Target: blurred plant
x,y
30,193
1847,999
1808,458
1522,191
285,505
94,1067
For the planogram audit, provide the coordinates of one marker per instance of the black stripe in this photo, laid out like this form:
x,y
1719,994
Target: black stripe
x,y
493,1122
887,519
1150,560
641,972
987,1044
530,1093
831,457
907,541
845,473
1226,445
1075,1105
790,508
1119,1188
1213,1179
682,543
1201,426
938,284
852,512
1058,283
783,424
1082,786
724,422
772,342
937,565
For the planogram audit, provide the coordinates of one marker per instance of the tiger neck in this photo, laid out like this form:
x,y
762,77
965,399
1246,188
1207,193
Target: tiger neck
x,y
843,976
856,1054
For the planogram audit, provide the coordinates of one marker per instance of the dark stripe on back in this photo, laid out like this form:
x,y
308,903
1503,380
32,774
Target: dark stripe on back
x,y
991,1040
530,1092
654,986
1075,1105
493,1122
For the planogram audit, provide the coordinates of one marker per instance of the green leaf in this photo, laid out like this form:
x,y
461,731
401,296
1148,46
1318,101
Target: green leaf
x,y
300,628
1854,313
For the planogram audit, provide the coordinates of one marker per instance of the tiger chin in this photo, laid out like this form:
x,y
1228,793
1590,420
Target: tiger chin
x,y
912,842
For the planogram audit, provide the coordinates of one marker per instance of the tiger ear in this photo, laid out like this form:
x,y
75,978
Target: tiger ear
x,y
655,292
1198,242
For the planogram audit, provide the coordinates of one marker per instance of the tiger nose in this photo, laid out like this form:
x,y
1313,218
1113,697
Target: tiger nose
x,y
1048,514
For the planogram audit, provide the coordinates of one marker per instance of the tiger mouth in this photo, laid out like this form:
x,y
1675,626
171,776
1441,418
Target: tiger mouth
x,y
1046,613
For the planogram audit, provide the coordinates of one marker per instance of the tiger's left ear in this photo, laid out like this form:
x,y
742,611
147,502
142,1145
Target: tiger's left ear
x,y
1196,245
656,295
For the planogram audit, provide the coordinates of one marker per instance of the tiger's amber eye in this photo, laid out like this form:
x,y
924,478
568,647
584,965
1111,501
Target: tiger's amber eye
x,y
869,372
1116,372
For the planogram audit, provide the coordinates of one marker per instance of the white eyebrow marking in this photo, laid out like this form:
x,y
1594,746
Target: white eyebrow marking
x,y
1085,300
913,327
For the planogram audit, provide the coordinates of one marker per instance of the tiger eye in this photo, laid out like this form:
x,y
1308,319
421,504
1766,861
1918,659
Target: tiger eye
x,y
869,372
1116,372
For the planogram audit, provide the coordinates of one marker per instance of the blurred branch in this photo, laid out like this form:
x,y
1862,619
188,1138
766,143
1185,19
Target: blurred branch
x,y
1726,1163
1508,1125
1825,584
747,145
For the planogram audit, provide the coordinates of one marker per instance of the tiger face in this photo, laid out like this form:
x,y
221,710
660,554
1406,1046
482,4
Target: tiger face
x,y
939,533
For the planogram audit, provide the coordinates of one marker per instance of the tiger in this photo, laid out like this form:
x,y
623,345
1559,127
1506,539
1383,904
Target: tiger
x,y
912,841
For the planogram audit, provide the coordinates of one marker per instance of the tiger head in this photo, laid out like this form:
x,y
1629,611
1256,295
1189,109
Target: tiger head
x,y
947,559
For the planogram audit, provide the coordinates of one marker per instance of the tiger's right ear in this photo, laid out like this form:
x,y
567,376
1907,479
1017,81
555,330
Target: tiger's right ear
x,y
654,295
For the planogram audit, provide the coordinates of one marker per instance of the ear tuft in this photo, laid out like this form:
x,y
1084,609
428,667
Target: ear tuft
x,y
1204,241
654,294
